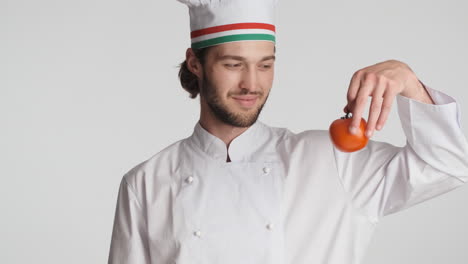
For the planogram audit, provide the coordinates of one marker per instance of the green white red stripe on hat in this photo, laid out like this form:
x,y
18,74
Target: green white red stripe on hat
x,y
214,22
232,32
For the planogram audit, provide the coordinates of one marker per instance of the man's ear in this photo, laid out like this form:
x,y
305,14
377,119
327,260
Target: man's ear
x,y
193,64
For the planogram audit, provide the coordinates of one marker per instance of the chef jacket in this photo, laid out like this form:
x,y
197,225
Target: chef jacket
x,y
285,198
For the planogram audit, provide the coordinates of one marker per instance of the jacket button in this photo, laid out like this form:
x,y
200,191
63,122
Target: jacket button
x,y
266,170
189,179
197,233
269,226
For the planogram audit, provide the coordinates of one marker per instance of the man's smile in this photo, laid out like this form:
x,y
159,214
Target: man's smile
x,y
246,100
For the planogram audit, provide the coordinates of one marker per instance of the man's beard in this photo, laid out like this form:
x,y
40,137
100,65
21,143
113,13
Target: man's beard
x,y
221,111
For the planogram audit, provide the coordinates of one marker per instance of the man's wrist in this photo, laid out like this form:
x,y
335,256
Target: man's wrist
x,y
418,92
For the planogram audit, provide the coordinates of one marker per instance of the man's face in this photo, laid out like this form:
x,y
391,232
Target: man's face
x,y
237,79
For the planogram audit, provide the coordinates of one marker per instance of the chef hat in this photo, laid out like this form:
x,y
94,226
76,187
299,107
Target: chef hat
x,y
213,22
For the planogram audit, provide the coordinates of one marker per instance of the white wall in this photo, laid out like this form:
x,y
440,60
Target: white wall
x,y
88,89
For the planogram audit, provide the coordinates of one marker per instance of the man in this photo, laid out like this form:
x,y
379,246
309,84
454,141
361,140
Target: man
x,y
240,191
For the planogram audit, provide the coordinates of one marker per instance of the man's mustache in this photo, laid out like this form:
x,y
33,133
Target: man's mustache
x,y
246,91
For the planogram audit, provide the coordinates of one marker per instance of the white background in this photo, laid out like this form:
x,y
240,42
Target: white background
x,y
88,89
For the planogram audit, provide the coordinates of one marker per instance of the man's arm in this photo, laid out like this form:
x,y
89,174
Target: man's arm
x,y
129,243
383,179
419,93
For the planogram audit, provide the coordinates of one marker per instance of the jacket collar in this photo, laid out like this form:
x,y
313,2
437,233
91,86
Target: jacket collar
x,y
240,148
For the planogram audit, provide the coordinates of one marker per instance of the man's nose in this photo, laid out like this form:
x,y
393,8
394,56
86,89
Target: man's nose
x,y
249,79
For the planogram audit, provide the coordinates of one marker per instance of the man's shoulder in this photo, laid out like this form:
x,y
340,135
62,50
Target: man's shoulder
x,y
313,135
318,138
309,135
160,163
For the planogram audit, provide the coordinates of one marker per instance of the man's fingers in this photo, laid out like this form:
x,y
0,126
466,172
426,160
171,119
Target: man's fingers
x,y
375,107
353,88
346,109
360,103
386,107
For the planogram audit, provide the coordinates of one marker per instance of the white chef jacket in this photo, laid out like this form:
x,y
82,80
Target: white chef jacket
x,y
284,198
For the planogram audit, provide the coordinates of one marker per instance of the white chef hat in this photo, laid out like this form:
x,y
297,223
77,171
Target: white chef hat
x,y
213,22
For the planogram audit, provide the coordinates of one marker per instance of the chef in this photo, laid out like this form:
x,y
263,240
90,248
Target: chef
x,y
238,191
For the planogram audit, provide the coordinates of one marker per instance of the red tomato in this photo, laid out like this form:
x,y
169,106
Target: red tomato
x,y
343,139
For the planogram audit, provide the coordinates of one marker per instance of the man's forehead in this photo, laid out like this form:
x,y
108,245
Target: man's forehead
x,y
243,53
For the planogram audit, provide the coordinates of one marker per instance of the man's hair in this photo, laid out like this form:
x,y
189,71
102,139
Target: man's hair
x,y
188,80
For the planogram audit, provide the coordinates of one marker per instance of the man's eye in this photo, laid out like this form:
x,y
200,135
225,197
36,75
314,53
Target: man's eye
x,y
266,66
232,65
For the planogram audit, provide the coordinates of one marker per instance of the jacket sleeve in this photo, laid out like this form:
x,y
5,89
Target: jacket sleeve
x,y
382,178
129,243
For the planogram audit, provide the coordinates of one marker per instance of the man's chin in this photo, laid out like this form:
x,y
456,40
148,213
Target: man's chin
x,y
244,120
236,115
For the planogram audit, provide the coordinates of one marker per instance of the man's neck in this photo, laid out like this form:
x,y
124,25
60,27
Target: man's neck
x,y
221,130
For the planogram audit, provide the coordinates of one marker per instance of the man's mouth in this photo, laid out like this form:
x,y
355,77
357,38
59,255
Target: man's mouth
x,y
247,100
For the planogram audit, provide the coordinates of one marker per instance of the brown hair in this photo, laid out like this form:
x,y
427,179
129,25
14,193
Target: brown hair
x,y
188,80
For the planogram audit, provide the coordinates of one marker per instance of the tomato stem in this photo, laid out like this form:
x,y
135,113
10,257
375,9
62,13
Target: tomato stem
x,y
346,116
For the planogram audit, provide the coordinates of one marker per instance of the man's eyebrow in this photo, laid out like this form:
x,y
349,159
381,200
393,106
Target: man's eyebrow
x,y
272,57
239,58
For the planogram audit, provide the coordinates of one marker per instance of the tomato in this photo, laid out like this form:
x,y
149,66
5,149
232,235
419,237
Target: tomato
x,y
343,139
